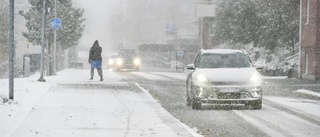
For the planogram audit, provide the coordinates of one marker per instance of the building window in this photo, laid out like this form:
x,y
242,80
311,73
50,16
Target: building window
x,y
211,28
307,63
307,11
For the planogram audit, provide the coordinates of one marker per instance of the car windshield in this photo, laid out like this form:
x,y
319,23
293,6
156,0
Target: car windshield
x,y
127,54
234,60
113,56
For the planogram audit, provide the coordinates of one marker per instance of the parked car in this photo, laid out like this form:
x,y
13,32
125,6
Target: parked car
x,y
128,60
223,76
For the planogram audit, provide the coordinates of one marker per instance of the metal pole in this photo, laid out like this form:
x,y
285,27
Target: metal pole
x,y
11,44
300,41
55,41
41,79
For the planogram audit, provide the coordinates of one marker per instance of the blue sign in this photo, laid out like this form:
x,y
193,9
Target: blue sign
x,y
180,53
171,28
55,23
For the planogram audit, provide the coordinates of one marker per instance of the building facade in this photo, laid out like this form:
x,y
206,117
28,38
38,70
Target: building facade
x,y
205,11
310,40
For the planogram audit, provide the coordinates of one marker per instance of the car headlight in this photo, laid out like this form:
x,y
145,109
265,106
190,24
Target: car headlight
x,y
137,61
110,62
201,79
119,61
255,79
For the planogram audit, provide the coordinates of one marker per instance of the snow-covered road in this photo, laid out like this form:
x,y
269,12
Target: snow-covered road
x,y
70,105
279,116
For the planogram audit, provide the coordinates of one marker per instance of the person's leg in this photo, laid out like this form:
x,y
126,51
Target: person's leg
x,y
91,73
100,73
99,69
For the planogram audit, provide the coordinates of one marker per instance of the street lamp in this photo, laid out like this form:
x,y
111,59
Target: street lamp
x,y
55,41
45,8
11,44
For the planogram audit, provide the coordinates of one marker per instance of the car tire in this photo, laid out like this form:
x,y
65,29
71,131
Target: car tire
x,y
188,97
256,105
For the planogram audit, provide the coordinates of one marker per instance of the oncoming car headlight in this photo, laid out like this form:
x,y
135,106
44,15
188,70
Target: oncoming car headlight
x,y
110,62
119,61
137,61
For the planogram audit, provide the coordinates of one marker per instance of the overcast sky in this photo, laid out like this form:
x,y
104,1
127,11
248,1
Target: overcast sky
x,y
97,13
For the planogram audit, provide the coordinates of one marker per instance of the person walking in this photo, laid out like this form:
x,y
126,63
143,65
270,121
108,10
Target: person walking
x,y
95,60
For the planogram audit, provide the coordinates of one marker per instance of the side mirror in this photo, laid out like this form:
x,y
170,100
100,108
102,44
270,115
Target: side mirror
x,y
259,67
191,67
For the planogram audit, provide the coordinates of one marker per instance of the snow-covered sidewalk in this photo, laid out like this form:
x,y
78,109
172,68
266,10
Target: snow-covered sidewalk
x,y
69,104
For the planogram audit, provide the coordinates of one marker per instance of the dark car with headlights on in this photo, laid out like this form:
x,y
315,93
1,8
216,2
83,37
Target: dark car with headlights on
x,y
223,77
112,59
128,60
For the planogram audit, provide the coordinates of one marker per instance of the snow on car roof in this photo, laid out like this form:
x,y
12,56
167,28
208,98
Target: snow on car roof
x,y
222,51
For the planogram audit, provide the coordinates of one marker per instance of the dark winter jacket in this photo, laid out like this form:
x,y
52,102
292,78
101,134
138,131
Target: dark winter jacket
x,y
95,52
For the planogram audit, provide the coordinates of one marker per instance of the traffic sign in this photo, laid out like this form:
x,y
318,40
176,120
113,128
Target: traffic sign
x,y
171,28
55,23
180,53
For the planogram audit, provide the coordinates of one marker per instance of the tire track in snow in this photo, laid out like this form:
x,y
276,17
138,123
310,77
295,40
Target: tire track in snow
x,y
303,115
128,110
275,122
263,127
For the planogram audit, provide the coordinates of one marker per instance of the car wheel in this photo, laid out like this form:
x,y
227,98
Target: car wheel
x,y
188,97
196,104
256,104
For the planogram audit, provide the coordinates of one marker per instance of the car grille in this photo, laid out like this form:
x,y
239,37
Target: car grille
x,y
128,62
228,83
229,96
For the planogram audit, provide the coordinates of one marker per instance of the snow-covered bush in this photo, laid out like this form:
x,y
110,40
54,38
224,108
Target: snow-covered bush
x,y
277,63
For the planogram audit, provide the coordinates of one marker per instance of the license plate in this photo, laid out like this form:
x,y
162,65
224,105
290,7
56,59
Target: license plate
x,y
229,90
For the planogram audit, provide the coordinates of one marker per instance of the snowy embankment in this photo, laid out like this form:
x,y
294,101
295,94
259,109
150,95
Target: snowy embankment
x,y
27,91
74,111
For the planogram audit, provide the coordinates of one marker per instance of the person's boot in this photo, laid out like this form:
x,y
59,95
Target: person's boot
x,y
91,73
101,79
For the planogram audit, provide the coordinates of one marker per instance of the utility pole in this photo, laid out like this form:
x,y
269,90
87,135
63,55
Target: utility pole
x,y
41,79
300,41
55,42
11,52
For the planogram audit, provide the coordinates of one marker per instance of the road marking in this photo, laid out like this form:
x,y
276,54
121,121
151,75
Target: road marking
x,y
264,128
308,92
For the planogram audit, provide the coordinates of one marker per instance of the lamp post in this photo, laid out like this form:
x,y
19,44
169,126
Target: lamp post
x,y
55,42
45,9
300,41
41,79
11,44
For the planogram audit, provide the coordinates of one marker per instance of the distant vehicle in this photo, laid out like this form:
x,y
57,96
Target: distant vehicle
x,y
223,76
128,60
112,60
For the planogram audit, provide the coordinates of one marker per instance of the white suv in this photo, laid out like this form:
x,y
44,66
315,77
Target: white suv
x,y
223,76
